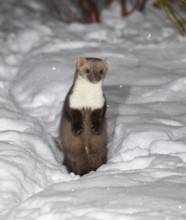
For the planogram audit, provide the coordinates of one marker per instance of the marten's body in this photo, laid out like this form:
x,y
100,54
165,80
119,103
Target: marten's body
x,y
83,125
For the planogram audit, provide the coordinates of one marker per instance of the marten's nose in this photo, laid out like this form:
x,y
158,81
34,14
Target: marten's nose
x,y
100,72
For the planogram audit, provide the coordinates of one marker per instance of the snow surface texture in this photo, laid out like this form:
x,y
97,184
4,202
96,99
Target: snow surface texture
x,y
145,177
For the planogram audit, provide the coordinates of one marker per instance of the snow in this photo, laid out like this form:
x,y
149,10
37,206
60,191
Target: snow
x,y
144,178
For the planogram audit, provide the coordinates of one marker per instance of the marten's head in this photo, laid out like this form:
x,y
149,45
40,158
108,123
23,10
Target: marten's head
x,y
92,69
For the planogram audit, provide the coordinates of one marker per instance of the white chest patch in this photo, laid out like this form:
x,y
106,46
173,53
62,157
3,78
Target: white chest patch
x,y
86,95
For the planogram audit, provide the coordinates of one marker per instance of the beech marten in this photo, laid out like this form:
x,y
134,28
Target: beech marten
x,y
83,135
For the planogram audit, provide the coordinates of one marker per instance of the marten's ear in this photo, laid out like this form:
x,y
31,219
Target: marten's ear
x,y
81,61
105,64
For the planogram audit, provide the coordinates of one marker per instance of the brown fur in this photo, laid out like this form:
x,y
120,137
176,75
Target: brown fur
x,y
85,152
85,148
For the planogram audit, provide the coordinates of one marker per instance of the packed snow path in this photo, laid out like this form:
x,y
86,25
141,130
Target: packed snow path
x,y
145,177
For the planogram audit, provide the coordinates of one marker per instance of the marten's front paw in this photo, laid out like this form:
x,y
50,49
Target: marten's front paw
x,y
77,128
96,128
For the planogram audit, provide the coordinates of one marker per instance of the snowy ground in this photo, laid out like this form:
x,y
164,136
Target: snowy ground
x,y
145,177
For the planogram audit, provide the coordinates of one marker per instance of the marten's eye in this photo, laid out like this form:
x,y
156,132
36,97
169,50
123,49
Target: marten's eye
x,y
101,72
87,71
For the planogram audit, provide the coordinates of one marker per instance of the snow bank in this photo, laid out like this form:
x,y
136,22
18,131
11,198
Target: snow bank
x,y
146,96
